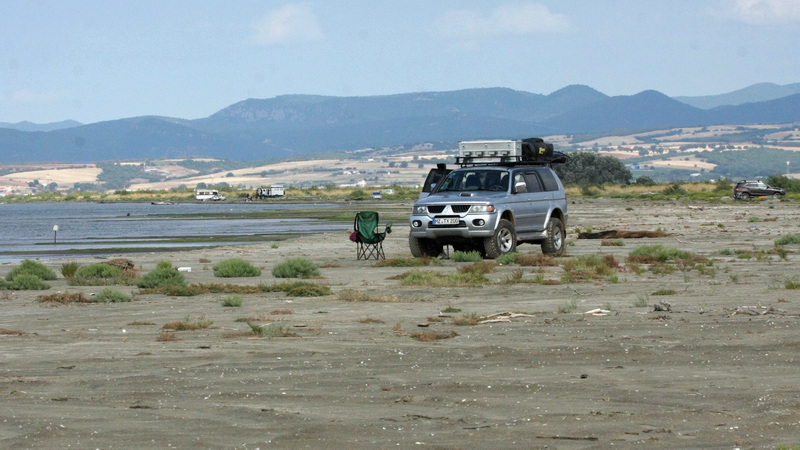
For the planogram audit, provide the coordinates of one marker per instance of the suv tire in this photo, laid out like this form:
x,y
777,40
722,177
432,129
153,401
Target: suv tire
x,y
503,241
554,242
421,247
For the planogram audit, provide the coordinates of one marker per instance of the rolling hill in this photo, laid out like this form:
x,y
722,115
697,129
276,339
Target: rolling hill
x,y
290,125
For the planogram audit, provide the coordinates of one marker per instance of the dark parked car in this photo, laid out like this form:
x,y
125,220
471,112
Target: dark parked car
x,y
746,189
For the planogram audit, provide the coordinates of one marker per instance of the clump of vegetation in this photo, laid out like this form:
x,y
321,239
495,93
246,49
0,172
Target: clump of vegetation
x,y
25,282
296,268
536,260
675,190
461,256
430,336
163,275
68,269
64,298
507,258
110,295
187,324
467,319
298,289
235,267
642,301
354,295
657,253
275,329
100,274
30,267
405,262
589,267
469,275
568,307
790,239
233,301
791,283
665,292
370,320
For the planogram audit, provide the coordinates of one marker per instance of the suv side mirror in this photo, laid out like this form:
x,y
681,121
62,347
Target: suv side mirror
x,y
520,187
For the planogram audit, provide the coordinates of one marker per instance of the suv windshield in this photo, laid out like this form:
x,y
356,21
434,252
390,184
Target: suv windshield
x,y
475,180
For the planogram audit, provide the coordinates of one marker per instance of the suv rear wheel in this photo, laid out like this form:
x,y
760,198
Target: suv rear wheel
x,y
421,247
554,242
503,241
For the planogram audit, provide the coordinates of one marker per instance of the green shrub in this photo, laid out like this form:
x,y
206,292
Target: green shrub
x,y
98,270
296,268
675,189
68,269
460,256
34,268
309,290
233,301
236,267
163,275
109,295
297,289
101,274
787,240
28,282
507,259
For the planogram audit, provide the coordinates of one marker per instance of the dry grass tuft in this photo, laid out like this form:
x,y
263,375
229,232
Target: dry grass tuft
x,y
64,298
7,332
467,319
430,336
536,260
188,325
278,312
354,295
370,320
167,336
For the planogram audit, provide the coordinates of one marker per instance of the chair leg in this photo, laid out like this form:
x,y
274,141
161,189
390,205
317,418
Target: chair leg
x,y
369,251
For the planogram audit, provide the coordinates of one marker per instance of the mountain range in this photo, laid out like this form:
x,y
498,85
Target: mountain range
x,y
291,125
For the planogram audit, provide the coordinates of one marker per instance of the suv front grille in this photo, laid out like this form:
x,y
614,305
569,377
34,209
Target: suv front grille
x,y
457,209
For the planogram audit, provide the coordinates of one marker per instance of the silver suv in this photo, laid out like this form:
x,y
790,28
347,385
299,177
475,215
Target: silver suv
x,y
503,194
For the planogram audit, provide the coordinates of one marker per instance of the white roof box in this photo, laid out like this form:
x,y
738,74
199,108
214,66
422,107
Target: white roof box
x,y
489,149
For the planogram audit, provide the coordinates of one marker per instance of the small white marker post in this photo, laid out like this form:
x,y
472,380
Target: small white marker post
x,y
55,233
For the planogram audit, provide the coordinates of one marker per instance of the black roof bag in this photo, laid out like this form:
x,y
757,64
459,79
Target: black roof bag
x,y
536,149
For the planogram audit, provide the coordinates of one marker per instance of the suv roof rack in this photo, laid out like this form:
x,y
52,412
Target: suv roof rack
x,y
531,151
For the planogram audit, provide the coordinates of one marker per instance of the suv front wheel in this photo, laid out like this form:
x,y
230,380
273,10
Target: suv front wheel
x,y
554,241
503,241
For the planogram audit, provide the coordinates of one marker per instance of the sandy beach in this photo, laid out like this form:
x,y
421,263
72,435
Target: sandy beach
x,y
587,363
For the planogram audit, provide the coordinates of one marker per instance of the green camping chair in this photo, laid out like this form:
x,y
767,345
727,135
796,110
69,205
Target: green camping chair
x,y
369,242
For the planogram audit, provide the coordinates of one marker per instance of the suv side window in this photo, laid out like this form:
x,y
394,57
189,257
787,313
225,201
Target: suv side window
x,y
534,185
549,180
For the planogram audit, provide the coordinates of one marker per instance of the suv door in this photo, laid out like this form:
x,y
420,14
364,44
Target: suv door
x,y
531,201
435,176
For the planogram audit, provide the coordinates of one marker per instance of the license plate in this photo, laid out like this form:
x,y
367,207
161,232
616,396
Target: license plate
x,y
445,221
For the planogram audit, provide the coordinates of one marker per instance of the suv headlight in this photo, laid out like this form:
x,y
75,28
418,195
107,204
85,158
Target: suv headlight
x,y
482,209
419,210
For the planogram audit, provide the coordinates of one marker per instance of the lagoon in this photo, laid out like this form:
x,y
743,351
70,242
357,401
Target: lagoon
x,y
27,229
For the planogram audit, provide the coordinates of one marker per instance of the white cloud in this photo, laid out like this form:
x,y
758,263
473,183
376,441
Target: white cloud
x,y
292,23
762,12
504,20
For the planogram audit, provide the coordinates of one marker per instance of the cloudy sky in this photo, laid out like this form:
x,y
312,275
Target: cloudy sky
x,y
95,60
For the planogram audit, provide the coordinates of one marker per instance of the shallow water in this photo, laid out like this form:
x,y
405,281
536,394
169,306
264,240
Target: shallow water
x,y
27,229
